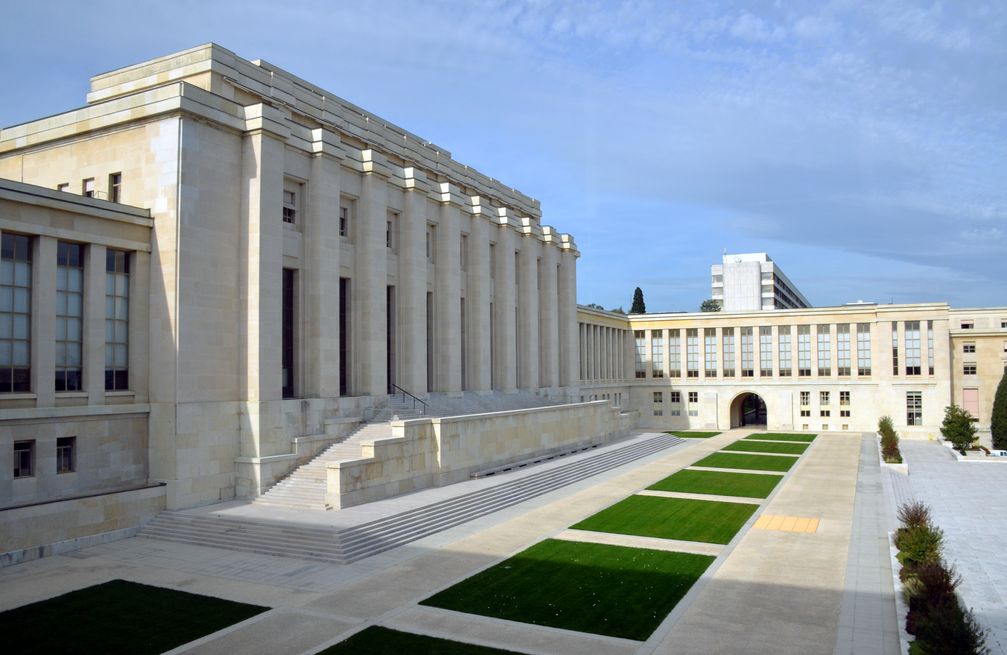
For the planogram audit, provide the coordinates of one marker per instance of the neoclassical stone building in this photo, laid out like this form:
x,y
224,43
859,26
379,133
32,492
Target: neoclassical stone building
x,y
292,259
818,369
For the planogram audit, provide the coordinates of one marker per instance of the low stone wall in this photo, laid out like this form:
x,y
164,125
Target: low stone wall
x,y
27,533
431,452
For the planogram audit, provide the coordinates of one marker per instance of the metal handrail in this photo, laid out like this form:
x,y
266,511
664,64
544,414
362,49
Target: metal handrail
x,y
406,393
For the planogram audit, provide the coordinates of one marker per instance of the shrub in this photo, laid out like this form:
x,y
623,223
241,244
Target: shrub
x,y
918,546
914,515
998,421
958,428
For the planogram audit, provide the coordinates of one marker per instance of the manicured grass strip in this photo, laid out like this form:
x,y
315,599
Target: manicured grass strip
x,y
602,589
779,436
118,617
692,435
747,485
671,518
768,447
376,640
753,462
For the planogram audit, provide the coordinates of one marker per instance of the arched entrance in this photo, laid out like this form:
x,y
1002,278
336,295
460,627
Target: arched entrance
x,y
748,409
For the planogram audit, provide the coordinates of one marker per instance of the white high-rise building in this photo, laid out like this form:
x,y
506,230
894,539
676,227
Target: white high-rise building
x,y
752,281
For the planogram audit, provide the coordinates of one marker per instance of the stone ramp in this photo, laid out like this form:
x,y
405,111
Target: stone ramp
x,y
345,545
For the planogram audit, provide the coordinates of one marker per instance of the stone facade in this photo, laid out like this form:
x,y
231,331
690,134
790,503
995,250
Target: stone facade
x,y
875,360
304,255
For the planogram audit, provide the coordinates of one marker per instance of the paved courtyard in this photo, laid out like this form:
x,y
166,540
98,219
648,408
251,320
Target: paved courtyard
x,y
969,502
821,589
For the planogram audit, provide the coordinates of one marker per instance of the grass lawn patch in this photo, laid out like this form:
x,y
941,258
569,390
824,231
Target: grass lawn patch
x,y
596,588
753,462
376,640
768,447
779,436
118,617
709,521
692,435
747,485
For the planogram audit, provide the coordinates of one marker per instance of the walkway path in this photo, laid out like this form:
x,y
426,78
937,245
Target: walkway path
x,y
969,502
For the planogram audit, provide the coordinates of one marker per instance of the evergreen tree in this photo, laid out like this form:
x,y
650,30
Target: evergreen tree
x,y
998,423
638,305
958,428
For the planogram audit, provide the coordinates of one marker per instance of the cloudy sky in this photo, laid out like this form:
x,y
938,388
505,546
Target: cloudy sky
x,y
862,145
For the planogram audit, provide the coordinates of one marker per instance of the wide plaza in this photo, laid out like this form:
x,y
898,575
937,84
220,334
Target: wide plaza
x,y
808,570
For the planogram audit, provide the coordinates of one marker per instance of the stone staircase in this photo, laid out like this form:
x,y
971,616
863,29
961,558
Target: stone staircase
x,y
347,545
305,487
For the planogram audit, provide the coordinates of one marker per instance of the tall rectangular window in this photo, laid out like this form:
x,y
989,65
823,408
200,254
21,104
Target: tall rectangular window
x,y
66,454
824,350
24,459
692,352
913,351
675,353
765,351
288,326
657,353
843,348
640,354
116,320
747,354
914,408
863,348
895,348
15,313
804,350
786,352
69,315
728,340
710,352
930,347
115,187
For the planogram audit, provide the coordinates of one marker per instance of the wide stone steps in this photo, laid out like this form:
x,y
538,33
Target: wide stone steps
x,y
359,542
305,487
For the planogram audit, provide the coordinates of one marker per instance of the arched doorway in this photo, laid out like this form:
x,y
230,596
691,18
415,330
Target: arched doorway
x,y
748,409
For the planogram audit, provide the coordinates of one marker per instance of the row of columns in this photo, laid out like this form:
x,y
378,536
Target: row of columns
x,y
520,318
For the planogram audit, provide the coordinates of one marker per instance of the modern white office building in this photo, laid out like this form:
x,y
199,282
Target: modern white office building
x,y
752,282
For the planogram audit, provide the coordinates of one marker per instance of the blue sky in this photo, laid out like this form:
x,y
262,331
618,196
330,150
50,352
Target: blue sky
x,y
862,145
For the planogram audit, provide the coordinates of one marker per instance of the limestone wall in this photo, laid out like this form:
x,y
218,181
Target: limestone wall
x,y
430,452
35,531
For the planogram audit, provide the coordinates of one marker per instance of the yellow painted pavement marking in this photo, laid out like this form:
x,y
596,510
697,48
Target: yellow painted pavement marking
x,y
787,523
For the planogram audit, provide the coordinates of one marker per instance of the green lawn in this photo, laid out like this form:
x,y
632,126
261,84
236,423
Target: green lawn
x,y
376,640
693,435
748,485
118,617
780,436
671,518
768,447
753,462
608,590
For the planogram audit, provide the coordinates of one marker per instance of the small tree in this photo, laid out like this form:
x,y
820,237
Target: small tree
x,y
710,305
638,306
998,422
958,428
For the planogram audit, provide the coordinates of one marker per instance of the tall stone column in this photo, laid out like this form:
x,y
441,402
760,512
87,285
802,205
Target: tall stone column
x,y
369,295
567,313
549,312
477,305
412,292
321,268
43,321
447,291
261,271
94,324
528,312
